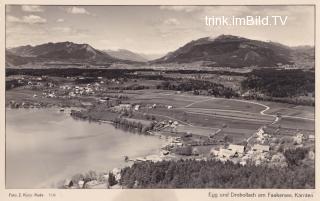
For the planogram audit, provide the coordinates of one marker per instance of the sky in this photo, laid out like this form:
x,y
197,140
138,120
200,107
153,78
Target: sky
x,y
149,29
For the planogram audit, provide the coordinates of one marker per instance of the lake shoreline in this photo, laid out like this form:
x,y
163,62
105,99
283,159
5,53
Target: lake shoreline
x,y
97,124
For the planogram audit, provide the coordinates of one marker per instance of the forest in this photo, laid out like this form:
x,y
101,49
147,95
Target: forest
x,y
198,87
215,174
280,83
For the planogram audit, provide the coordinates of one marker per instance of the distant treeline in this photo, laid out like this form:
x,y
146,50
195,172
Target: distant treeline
x,y
214,174
280,83
215,72
107,73
196,86
73,72
275,84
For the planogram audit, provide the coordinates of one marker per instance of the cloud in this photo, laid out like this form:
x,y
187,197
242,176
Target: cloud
x,y
62,29
60,20
33,19
187,9
78,10
28,8
70,31
171,21
29,19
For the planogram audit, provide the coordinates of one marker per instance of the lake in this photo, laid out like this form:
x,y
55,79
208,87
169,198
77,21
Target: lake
x,y
44,146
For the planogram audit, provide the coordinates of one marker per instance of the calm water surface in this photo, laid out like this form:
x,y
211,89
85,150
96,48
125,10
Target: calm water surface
x,y
44,146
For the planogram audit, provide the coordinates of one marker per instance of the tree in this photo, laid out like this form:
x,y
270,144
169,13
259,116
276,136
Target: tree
x,y
294,156
228,139
112,179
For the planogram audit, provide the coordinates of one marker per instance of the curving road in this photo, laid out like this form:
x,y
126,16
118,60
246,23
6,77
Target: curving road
x,y
262,112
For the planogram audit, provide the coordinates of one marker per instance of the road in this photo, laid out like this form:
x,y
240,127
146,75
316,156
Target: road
x,y
262,112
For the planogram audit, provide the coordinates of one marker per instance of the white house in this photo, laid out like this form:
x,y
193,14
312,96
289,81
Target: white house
x,y
260,148
136,107
238,149
298,138
226,153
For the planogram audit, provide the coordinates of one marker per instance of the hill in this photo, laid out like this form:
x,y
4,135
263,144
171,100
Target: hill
x,y
126,55
62,50
62,53
232,51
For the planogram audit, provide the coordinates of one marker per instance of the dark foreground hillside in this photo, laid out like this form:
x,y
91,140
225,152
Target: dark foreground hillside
x,y
215,174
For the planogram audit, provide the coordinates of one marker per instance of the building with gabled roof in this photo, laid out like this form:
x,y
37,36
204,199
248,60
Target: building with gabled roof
x,y
261,148
236,148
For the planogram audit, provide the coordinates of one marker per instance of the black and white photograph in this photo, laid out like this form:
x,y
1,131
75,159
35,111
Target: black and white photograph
x,y
160,96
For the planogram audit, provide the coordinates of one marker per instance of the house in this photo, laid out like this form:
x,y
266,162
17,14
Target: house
x,y
311,155
125,106
102,100
65,87
237,149
260,132
117,173
52,95
122,107
68,183
86,103
72,94
153,158
140,159
91,184
177,144
165,152
298,138
136,107
260,148
50,85
261,135
81,183
226,153
311,137
243,163
214,152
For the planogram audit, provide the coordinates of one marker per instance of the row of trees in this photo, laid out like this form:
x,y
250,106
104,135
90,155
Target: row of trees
x,y
196,86
132,125
214,174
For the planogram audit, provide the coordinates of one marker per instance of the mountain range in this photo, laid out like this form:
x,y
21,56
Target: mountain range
x,y
61,51
222,51
234,51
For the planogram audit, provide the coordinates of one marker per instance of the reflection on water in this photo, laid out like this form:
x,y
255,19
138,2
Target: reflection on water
x,y
44,146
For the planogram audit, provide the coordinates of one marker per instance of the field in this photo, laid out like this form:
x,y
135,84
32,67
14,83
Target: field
x,y
197,114
240,119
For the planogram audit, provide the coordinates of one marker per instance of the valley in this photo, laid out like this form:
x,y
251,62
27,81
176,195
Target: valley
x,y
231,100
